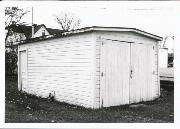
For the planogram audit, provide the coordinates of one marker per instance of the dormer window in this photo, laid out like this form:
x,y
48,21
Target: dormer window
x,y
43,33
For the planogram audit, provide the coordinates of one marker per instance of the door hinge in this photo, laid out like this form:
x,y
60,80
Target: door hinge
x,y
131,72
102,74
102,103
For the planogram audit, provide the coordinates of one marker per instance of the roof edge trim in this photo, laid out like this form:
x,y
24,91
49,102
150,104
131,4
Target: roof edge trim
x,y
115,29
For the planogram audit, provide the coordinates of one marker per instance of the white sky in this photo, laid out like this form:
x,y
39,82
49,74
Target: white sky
x,y
154,17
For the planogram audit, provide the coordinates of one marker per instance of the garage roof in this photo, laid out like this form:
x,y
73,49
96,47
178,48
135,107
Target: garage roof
x,y
96,28
114,29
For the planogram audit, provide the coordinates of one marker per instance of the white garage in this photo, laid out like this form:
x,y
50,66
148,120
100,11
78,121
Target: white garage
x,y
92,67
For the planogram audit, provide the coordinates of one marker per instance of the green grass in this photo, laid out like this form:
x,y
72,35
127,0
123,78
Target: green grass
x,y
22,107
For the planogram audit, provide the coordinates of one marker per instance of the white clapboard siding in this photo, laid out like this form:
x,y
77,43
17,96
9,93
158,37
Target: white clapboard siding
x,y
64,67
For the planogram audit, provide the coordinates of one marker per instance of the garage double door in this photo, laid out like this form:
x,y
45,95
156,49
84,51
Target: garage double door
x,y
128,73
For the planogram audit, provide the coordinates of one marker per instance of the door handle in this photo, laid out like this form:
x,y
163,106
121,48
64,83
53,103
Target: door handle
x,y
131,72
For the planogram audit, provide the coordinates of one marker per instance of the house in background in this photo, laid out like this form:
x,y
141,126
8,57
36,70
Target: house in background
x,y
19,33
168,42
23,32
165,59
170,59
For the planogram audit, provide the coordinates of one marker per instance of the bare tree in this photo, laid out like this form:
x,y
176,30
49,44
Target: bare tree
x,y
168,42
67,21
13,15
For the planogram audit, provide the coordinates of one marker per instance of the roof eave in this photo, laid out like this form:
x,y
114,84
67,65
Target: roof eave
x,y
121,29
114,29
96,28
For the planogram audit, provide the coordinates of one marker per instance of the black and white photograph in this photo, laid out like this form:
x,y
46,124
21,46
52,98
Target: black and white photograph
x,y
90,62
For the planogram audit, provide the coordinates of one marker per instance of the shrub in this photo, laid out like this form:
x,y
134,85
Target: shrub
x,y
11,59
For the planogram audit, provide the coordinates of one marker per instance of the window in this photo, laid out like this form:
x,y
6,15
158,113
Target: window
x,y
43,33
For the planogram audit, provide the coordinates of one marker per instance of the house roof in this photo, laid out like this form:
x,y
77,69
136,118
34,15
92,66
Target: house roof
x,y
54,31
27,30
21,29
37,27
98,28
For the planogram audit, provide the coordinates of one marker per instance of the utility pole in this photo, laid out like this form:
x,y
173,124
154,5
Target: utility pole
x,y
32,25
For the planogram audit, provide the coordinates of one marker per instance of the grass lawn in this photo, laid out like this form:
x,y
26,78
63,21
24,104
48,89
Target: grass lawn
x,y
21,107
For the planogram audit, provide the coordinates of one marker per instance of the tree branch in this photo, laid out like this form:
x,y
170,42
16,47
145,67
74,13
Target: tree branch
x,y
67,21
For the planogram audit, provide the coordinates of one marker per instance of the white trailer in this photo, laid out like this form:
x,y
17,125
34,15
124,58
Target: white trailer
x,y
163,57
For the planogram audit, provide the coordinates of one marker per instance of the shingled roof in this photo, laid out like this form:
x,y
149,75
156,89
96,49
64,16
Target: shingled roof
x,y
27,30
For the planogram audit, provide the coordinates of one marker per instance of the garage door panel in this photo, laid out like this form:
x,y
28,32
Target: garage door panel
x,y
116,56
129,73
142,66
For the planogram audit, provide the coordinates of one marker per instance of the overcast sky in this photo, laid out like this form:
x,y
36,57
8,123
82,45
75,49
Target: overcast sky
x,y
156,18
